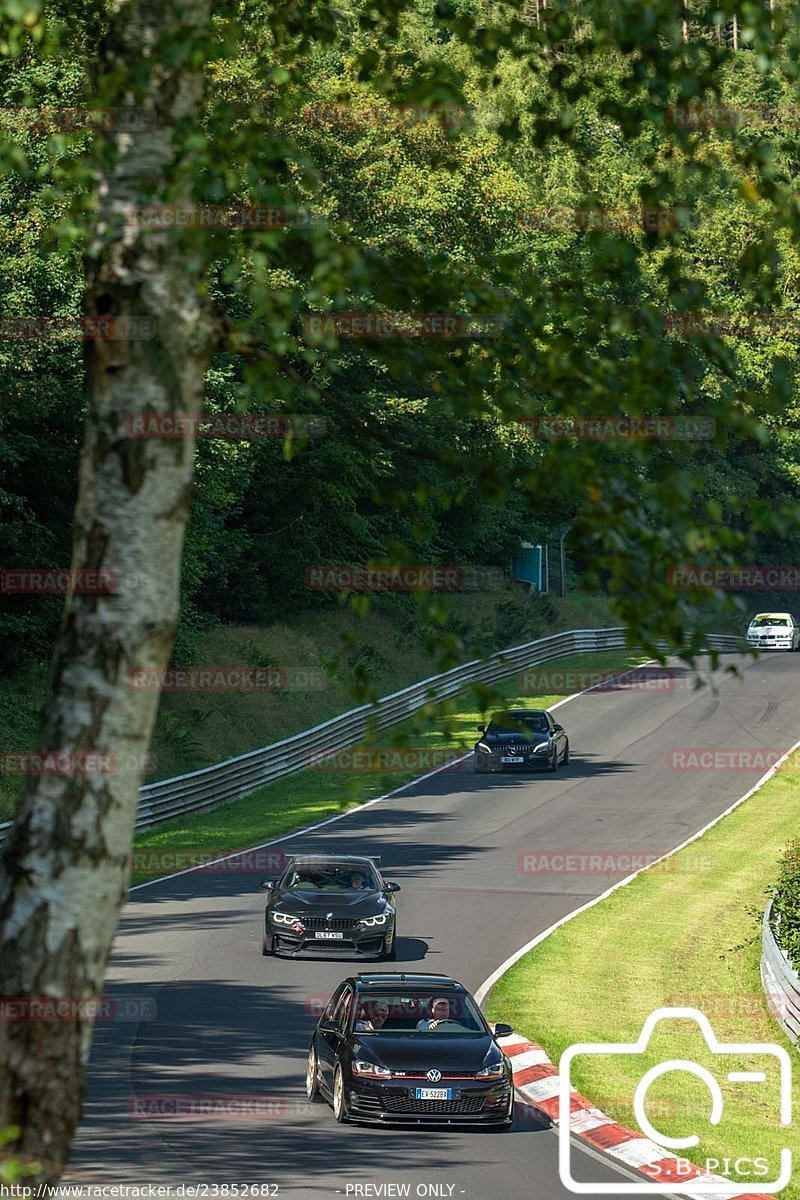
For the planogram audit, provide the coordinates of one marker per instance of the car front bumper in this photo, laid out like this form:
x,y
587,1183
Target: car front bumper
x,y
354,943
533,762
774,644
395,1103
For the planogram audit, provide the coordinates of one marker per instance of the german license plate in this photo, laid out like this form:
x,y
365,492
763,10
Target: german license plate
x,y
512,760
434,1094
327,936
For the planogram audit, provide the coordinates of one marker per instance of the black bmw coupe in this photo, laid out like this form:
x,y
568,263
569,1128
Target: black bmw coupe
x,y
409,1048
332,906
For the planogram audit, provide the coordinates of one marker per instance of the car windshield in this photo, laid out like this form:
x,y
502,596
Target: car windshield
x,y
330,877
418,1013
758,621
520,723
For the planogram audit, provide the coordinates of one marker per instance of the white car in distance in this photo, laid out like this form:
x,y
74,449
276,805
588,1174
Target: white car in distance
x,y
774,631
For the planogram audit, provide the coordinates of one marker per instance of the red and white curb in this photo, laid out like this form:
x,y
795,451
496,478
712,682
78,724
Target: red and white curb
x,y
537,1083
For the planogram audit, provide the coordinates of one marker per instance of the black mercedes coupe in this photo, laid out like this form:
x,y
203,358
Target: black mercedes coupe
x,y
525,739
409,1048
330,906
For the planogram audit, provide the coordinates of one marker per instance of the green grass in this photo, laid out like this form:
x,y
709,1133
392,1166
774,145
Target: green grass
x,y
684,936
311,795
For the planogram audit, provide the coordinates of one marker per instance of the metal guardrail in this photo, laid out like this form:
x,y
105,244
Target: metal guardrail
x,y
780,981
211,787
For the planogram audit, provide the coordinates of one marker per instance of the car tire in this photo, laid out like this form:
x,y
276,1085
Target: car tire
x,y
565,759
266,947
390,955
312,1076
552,765
339,1098
479,768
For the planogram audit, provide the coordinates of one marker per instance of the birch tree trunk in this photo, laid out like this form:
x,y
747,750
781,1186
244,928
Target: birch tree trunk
x,y
65,866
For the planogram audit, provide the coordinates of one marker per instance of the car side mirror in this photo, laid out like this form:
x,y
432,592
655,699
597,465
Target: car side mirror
x,y
391,887
501,1030
328,1025
267,884
558,728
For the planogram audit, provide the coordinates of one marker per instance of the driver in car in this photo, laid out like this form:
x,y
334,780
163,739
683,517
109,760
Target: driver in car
x,y
440,1015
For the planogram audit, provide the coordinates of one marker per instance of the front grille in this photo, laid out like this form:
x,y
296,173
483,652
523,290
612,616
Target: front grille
x,y
396,1101
327,947
333,923
517,750
423,1078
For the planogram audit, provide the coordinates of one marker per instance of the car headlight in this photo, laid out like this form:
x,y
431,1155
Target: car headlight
x,y
285,919
540,749
370,1070
495,1071
484,749
380,919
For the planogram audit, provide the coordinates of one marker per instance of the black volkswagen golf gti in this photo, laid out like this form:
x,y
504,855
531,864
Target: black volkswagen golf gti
x,y
337,906
410,1048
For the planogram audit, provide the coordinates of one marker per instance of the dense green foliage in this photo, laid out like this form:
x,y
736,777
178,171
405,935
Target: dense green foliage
x,y
427,457
786,903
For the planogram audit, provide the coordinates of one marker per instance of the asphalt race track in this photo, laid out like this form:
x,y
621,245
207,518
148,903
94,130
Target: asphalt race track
x,y
229,1023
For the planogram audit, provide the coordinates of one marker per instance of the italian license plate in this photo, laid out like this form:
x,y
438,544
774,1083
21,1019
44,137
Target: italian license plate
x,y
512,760
327,936
434,1094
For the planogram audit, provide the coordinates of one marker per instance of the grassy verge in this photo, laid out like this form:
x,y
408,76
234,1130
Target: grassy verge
x,y
384,649
685,934
314,794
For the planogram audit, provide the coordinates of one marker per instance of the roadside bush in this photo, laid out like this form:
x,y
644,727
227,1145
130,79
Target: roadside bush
x,y
786,903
